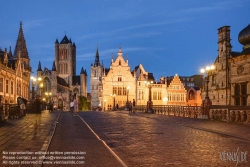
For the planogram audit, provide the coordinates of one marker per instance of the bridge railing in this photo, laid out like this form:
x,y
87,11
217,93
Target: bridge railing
x,y
216,112
11,111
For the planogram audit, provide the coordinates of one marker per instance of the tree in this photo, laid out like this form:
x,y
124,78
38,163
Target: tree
x,y
83,104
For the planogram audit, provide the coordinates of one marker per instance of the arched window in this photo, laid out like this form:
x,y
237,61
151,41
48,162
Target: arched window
x,y
46,85
191,95
119,62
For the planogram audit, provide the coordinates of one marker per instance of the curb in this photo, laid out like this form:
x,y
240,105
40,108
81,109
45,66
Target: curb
x,y
112,152
53,132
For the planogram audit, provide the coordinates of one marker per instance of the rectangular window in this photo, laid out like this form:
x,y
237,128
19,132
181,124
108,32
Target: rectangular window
x,y
7,86
115,90
159,96
119,91
12,87
1,84
124,91
154,95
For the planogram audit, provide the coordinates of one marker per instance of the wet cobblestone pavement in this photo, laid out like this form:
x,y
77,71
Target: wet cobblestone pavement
x,y
30,133
149,140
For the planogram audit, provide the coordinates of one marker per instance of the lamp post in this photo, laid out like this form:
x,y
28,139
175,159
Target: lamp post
x,y
149,103
127,98
206,102
113,95
33,79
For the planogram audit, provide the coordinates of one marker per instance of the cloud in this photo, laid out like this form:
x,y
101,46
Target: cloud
x,y
107,54
173,21
27,25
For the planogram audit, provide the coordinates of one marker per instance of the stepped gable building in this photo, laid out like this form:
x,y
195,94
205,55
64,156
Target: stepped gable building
x,y
60,83
97,71
15,71
229,82
176,92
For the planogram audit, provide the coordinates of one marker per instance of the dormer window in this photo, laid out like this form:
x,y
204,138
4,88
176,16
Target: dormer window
x,y
119,79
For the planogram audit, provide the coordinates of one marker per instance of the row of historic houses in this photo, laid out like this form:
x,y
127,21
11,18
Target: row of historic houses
x,y
226,84
117,85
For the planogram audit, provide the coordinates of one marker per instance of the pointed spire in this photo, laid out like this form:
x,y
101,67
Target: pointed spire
x,y
39,67
65,40
10,52
97,61
85,72
54,66
56,41
120,49
21,44
82,71
112,58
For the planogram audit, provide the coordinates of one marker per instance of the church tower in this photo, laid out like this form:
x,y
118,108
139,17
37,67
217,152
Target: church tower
x,y
21,50
65,59
96,73
219,85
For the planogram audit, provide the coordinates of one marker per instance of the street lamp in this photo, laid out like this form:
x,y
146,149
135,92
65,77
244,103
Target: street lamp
x,y
206,73
33,85
113,95
127,106
149,103
165,100
206,102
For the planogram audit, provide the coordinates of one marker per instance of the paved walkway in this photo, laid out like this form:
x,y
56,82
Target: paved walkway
x,y
152,140
20,136
74,139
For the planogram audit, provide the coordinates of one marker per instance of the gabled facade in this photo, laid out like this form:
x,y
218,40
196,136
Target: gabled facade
x,y
15,71
158,90
116,82
176,92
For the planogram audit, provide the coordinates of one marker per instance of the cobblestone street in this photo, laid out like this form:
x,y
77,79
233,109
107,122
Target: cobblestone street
x,y
158,140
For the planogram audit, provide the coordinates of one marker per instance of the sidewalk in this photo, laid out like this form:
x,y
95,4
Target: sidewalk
x,y
30,133
74,139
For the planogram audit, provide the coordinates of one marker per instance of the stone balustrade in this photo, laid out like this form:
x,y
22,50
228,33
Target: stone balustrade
x,y
222,113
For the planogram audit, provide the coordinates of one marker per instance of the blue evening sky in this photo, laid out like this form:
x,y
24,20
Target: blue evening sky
x,y
165,36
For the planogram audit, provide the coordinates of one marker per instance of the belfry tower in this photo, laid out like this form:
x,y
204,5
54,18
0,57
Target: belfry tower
x,y
96,73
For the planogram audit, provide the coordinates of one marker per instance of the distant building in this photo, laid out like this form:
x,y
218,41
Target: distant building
x,y
15,71
60,83
176,92
158,90
188,81
229,82
96,74
115,83
194,96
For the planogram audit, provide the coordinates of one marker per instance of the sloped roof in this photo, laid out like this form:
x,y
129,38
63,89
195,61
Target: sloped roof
x,y
106,70
151,77
65,40
76,80
61,81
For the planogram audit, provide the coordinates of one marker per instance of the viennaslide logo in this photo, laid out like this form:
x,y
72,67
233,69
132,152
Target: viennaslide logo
x,y
236,156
